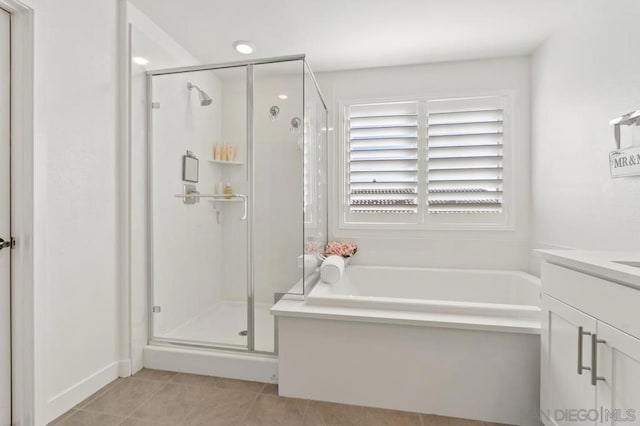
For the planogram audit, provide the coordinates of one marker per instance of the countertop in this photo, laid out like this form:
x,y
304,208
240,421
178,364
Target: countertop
x,y
598,263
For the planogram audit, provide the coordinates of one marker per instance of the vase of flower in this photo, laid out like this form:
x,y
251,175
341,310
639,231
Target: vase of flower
x,y
345,249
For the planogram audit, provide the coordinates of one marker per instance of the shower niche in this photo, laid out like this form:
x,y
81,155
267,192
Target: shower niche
x,y
217,263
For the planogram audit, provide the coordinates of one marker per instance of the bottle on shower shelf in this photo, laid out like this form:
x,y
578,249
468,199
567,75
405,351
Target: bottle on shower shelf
x,y
231,152
228,191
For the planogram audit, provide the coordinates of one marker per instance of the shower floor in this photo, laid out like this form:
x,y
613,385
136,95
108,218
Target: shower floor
x,y
224,322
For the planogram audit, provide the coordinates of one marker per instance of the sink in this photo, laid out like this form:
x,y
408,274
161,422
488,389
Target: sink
x,y
628,263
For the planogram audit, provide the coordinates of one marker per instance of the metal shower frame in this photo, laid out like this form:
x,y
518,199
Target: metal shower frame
x,y
249,64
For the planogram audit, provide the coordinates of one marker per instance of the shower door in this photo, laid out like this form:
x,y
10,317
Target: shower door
x,y
231,154
199,207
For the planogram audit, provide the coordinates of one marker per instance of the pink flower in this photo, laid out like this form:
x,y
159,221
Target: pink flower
x,y
344,249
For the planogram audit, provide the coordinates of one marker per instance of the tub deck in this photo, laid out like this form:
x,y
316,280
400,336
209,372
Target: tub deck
x,y
507,301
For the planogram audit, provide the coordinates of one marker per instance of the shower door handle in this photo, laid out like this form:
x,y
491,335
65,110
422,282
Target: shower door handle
x,y
244,201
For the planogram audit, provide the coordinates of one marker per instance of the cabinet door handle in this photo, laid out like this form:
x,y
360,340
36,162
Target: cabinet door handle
x,y
594,359
581,333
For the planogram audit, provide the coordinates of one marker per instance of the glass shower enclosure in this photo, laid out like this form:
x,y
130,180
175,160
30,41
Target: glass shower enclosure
x,y
237,214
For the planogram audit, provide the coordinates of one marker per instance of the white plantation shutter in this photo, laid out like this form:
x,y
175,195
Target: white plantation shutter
x,y
383,158
427,164
465,156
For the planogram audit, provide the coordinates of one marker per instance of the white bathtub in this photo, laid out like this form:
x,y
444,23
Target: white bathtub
x,y
460,343
464,292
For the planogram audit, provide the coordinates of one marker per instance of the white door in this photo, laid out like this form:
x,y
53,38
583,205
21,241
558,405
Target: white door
x,y
5,225
618,376
566,363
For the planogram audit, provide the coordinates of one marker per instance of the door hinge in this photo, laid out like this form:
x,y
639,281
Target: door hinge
x,y
7,244
155,105
157,309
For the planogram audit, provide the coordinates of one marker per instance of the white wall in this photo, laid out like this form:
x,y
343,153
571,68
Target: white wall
x,y
76,287
464,249
583,76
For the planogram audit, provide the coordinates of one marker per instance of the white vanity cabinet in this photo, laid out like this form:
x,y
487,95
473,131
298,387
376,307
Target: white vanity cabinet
x,y
565,359
590,360
618,367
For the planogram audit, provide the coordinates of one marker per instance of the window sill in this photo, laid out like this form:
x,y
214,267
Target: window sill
x,y
385,227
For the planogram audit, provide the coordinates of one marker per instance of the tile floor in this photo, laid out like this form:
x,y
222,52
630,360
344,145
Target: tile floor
x,y
154,397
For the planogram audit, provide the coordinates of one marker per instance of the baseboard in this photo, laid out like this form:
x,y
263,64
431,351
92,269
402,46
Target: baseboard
x,y
124,368
72,396
260,368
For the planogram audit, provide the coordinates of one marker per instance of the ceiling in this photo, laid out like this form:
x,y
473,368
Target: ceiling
x,y
348,34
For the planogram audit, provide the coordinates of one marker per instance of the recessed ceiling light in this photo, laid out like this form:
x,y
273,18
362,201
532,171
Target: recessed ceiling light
x,y
140,60
243,47
283,96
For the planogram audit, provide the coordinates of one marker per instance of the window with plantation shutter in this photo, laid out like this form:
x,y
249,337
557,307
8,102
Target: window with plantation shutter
x,y
465,156
427,163
383,158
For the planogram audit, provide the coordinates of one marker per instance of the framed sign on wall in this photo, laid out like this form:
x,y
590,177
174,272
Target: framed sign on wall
x,y
625,162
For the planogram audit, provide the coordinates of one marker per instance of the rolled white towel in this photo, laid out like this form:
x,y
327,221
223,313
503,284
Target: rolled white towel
x,y
332,269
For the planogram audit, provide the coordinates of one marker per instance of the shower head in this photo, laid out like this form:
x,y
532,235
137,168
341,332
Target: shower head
x,y
205,100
